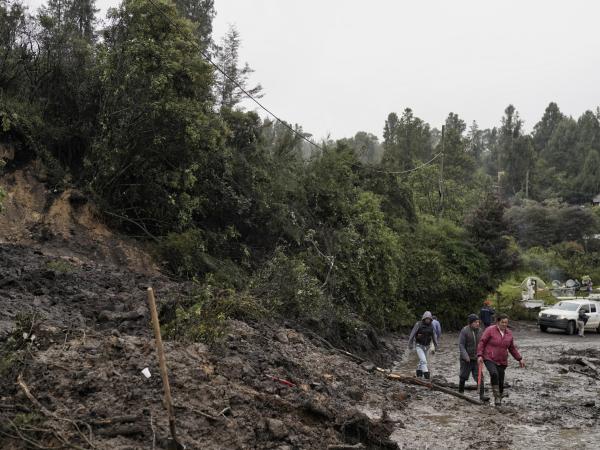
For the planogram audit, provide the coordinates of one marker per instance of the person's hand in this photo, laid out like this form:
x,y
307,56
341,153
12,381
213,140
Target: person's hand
x,y
467,359
480,360
522,364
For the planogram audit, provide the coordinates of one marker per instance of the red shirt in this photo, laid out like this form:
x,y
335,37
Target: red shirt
x,y
495,347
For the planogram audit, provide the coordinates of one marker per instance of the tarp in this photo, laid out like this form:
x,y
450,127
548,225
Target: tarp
x,y
539,282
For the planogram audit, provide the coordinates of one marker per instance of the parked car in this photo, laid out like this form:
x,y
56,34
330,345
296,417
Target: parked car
x,y
563,315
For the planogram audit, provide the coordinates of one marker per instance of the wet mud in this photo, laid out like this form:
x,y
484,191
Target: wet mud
x,y
553,402
78,335
77,331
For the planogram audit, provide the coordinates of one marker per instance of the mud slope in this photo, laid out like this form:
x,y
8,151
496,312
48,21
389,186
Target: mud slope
x,y
92,339
61,223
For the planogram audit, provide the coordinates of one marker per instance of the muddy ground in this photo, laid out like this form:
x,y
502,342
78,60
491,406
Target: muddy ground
x,y
93,339
549,405
74,326
265,386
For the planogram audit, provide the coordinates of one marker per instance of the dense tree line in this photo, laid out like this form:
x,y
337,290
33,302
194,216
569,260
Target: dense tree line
x,y
352,230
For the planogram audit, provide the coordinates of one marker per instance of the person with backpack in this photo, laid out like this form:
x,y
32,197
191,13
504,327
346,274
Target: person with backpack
x,y
486,313
468,339
421,337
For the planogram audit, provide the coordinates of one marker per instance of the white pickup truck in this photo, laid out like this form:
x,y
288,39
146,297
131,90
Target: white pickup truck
x,y
563,315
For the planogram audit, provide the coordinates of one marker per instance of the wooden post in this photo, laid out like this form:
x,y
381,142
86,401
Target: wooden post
x,y
163,365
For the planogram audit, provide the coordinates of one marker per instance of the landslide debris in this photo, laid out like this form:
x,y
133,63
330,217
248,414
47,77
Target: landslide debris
x,y
77,333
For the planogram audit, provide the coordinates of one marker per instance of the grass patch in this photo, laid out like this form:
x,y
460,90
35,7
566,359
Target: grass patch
x,y
60,266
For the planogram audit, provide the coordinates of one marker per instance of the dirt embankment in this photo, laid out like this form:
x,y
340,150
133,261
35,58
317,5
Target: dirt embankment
x,y
264,387
74,329
62,223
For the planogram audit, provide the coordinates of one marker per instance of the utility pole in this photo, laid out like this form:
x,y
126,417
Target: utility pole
x,y
441,187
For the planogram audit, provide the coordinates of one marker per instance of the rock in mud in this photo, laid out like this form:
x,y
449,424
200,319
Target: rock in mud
x,y
277,428
368,366
282,337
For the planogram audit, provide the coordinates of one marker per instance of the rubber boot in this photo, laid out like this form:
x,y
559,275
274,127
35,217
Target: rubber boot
x,y
419,374
461,386
482,396
497,395
426,375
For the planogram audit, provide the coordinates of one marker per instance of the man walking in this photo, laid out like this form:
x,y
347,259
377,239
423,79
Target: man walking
x,y
582,319
437,328
421,337
467,344
486,313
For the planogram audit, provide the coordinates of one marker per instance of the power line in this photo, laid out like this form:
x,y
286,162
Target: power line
x,y
399,172
216,66
263,107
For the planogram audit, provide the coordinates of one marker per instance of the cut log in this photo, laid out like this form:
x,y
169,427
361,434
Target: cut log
x,y
588,363
428,385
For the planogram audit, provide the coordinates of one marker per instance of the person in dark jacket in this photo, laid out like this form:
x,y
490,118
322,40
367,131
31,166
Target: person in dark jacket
x,y
468,340
493,348
582,319
421,337
486,313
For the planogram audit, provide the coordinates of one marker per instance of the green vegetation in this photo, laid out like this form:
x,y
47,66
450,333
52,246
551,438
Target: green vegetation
x,y
351,232
60,266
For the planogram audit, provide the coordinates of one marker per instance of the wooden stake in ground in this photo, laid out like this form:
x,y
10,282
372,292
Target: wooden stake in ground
x,y
163,368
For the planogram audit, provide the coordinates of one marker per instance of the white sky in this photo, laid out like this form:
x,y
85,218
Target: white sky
x,y
340,66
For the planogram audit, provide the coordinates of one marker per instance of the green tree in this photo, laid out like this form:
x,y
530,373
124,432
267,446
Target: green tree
x,y
367,147
542,131
13,46
227,54
406,141
516,154
588,180
201,13
160,148
476,142
489,231
64,77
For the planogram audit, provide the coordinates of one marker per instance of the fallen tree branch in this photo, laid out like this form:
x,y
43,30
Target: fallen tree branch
x,y
428,385
52,415
116,419
588,363
591,375
345,447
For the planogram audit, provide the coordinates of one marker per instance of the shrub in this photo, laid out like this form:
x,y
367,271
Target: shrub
x,y
203,315
286,287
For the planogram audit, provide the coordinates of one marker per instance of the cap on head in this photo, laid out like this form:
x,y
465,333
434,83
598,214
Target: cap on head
x,y
487,302
427,315
472,318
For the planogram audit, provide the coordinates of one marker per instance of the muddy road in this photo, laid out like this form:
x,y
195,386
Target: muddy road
x,y
549,405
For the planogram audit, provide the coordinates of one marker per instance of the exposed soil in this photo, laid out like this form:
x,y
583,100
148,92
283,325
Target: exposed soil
x,y
80,291
93,340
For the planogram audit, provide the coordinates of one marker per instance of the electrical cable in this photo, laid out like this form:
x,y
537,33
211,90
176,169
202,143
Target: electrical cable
x,y
267,110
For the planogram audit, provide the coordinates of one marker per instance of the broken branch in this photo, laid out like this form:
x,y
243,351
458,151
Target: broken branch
x,y
429,385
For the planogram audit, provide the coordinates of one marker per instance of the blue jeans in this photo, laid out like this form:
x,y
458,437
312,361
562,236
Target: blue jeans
x,y
422,354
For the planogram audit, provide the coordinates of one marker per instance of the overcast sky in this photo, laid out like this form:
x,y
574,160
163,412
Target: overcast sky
x,y
340,66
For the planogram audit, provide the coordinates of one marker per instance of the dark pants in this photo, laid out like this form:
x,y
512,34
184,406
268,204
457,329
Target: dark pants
x,y
497,373
466,369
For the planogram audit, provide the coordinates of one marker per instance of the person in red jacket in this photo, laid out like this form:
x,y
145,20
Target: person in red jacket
x,y
493,350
